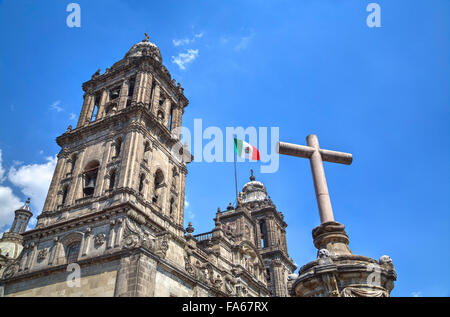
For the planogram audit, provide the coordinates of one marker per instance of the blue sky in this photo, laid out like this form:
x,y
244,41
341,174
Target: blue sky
x,y
303,66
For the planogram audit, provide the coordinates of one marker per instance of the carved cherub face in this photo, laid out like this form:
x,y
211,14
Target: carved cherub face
x,y
324,253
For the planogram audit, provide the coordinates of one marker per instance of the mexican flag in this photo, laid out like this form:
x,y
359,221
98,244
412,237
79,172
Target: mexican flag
x,y
245,150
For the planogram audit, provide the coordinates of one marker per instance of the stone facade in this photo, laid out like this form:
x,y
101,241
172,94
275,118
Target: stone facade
x,y
114,212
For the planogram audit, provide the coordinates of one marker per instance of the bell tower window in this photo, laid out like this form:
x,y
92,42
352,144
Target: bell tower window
x,y
90,178
112,179
72,252
117,147
171,207
263,232
141,183
158,184
64,195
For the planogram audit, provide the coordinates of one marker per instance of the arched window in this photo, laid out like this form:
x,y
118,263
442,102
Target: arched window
x,y
160,115
174,177
170,118
117,147
64,194
131,87
73,250
90,178
147,152
112,179
171,207
96,106
141,183
268,275
158,183
263,232
73,160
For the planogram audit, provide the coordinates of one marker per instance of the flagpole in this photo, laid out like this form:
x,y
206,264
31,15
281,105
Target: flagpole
x,y
235,169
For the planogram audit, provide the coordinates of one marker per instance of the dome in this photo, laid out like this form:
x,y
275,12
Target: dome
x,y
144,48
253,191
26,207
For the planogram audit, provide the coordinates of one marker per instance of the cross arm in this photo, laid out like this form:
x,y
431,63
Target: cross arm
x,y
307,151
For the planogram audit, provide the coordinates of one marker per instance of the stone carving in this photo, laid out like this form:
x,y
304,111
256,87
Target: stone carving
x,y
229,285
188,266
358,292
324,257
131,241
42,255
11,270
385,259
163,245
99,239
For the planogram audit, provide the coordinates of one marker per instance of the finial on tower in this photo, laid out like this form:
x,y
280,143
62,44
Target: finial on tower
x,y
252,177
146,37
28,201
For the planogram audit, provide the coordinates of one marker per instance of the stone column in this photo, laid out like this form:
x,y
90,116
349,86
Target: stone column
x,y
123,94
167,109
148,89
141,92
86,241
177,114
181,201
54,252
50,201
118,232
258,234
111,234
24,260
77,179
30,258
127,147
155,101
88,103
103,100
270,232
102,171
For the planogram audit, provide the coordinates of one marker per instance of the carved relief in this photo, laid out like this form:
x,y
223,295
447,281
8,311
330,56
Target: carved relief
x,y
11,270
42,255
99,239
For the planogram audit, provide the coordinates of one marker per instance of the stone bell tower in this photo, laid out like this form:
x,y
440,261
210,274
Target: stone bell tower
x,y
123,148
115,204
257,220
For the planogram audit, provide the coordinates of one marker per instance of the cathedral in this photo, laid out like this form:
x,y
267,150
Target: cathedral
x,y
113,220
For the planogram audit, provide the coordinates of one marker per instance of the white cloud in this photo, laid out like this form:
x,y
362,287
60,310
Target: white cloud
x,y
72,116
8,204
8,201
34,180
416,294
186,41
55,106
181,42
2,170
243,43
185,58
188,213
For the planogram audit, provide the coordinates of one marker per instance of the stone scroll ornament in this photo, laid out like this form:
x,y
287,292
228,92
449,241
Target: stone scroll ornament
x,y
11,270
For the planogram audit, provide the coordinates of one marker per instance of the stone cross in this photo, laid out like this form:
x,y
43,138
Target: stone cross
x,y
316,156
